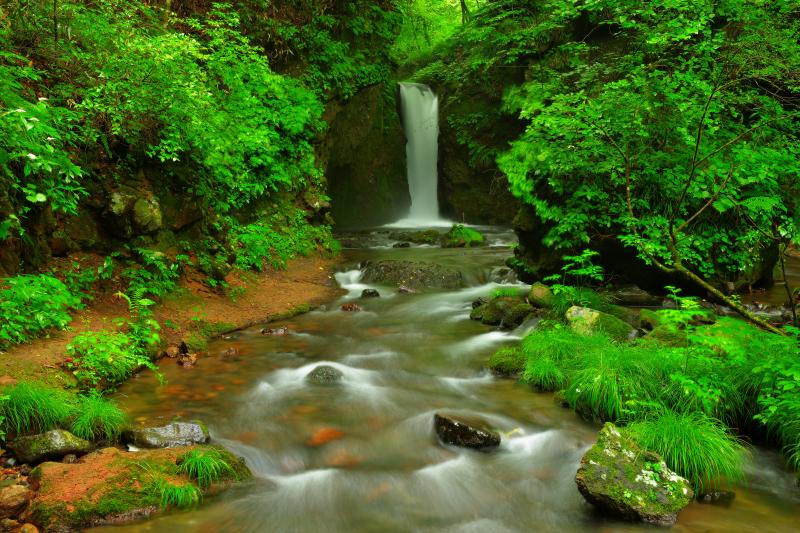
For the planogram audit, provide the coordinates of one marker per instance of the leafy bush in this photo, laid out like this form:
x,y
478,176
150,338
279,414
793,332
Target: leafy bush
x,y
206,466
697,447
105,358
30,304
34,408
98,418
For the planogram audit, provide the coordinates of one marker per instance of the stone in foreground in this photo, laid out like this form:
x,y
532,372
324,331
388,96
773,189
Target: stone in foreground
x,y
412,274
54,444
465,432
621,479
169,436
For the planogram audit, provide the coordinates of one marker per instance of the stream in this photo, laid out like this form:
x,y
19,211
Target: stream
x,y
405,357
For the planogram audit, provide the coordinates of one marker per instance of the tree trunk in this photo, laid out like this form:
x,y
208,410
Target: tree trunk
x,y
465,16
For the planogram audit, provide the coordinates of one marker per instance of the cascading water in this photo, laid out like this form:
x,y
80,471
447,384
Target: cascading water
x,y
420,112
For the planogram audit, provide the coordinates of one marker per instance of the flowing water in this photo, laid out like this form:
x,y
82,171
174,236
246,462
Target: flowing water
x,y
405,357
420,112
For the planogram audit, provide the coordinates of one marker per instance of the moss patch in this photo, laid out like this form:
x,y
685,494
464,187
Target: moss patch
x,y
507,362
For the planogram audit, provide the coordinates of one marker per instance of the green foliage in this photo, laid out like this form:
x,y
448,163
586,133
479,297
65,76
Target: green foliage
x,y
98,418
155,273
30,304
507,292
697,447
206,466
34,408
543,374
105,359
461,236
683,135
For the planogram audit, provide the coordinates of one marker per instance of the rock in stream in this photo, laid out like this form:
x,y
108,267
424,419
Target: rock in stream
x,y
465,432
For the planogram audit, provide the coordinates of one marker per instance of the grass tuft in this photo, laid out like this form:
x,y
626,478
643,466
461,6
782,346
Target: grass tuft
x,y
696,446
206,466
543,374
34,408
171,495
98,418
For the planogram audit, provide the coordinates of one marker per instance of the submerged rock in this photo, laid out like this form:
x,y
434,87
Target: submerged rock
x,y
465,432
54,444
370,293
621,479
276,332
401,245
169,436
412,274
324,375
588,321
718,497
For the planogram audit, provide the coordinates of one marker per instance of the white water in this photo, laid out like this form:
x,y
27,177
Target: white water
x,y
420,111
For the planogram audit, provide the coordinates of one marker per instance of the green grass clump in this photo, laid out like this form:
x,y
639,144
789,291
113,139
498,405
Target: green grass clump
x,y
206,466
98,418
581,296
507,292
563,346
543,374
171,495
694,445
34,408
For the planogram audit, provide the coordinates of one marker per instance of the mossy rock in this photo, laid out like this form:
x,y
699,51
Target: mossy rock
x,y
413,274
507,362
172,435
53,444
496,310
668,335
589,321
429,236
541,296
621,479
462,237
650,319
477,312
111,487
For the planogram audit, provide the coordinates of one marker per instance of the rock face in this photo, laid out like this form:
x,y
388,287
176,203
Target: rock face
x,y
412,274
13,499
464,432
169,436
588,321
324,375
54,444
619,478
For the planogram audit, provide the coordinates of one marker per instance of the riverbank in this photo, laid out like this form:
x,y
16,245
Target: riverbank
x,y
192,313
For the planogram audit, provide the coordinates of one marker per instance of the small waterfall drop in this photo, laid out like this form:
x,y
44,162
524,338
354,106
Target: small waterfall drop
x,y
420,111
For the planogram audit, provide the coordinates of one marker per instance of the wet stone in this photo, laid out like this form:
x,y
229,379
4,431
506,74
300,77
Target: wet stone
x,y
370,293
324,375
169,436
465,432
351,308
54,444
275,332
722,498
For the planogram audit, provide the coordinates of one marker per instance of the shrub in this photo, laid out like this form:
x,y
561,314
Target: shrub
x,y
34,408
104,358
30,304
696,446
98,418
206,466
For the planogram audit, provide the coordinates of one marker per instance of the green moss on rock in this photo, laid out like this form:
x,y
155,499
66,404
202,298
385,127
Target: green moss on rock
x,y
588,322
507,362
621,479
541,296
462,237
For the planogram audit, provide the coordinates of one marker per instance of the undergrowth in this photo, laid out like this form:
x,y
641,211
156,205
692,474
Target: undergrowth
x,y
206,466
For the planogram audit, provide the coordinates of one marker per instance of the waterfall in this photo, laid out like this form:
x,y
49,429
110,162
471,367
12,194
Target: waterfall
x,y
420,112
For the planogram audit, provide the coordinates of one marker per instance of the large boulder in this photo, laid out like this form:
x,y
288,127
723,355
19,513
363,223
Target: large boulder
x,y
412,274
169,436
506,311
54,444
324,375
465,432
112,487
589,321
619,478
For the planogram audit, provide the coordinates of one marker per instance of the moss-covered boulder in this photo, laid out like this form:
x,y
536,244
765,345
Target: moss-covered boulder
x,y
412,274
111,486
589,321
428,236
620,479
506,311
170,436
461,236
507,362
53,444
668,335
541,296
